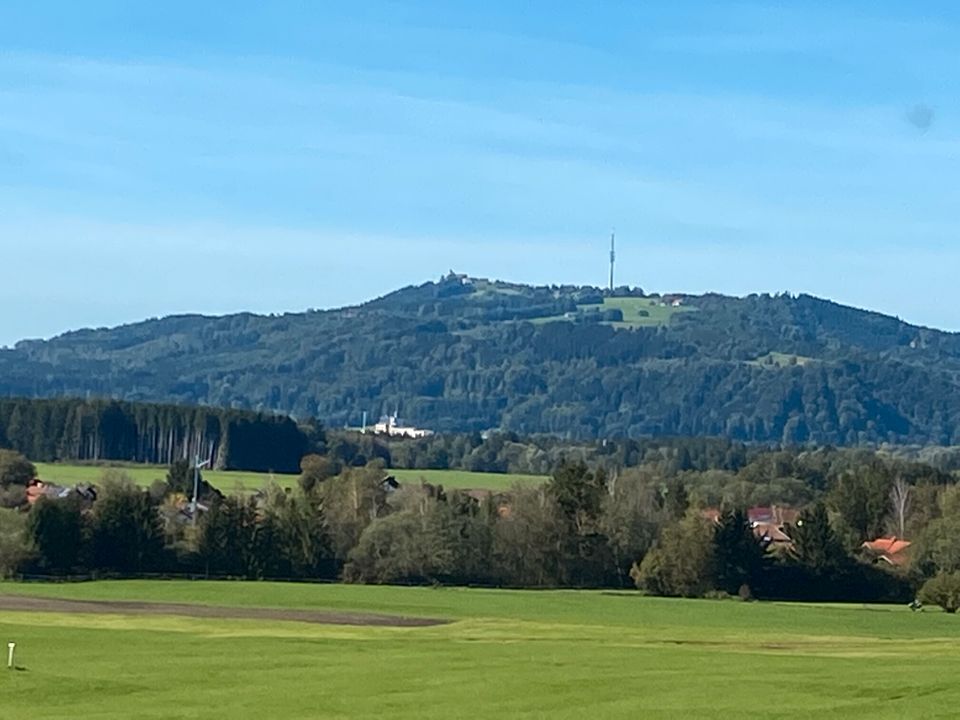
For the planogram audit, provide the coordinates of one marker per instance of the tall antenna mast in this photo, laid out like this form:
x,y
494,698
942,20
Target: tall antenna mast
x,y
613,257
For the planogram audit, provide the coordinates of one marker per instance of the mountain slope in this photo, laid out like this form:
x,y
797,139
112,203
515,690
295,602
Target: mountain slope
x,y
465,354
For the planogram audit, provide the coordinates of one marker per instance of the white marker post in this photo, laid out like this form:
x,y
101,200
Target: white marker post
x,y
10,648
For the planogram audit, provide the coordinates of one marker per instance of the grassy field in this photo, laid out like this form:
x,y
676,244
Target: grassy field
x,y
637,312
656,314
228,481
469,480
780,360
233,481
506,654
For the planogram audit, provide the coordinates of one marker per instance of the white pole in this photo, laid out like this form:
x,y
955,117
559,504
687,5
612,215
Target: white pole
x,y
10,647
196,485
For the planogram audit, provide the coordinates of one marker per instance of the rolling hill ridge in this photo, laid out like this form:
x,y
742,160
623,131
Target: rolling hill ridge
x,y
465,354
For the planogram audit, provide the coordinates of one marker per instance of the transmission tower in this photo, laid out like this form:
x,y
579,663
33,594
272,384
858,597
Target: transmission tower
x,y
613,258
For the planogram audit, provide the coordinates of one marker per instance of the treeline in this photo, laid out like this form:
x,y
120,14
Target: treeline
x,y
509,452
94,431
99,430
647,527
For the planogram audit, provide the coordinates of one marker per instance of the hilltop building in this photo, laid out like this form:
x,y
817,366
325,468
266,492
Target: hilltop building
x,y
389,425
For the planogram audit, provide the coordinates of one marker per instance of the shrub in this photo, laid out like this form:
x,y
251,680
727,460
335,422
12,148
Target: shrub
x,y
943,590
680,564
15,548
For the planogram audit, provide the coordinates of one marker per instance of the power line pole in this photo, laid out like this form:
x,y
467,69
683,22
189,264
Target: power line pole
x,y
196,486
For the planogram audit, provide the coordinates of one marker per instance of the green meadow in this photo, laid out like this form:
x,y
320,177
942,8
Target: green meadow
x,y
468,480
504,654
640,312
68,474
637,312
237,481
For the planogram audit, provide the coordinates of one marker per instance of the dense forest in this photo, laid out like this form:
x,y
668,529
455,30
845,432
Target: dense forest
x,y
99,430
659,527
465,355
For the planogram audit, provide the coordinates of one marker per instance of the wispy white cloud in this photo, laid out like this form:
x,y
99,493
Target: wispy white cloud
x,y
304,183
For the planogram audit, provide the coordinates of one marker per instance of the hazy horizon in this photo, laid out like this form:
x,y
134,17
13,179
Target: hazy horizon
x,y
216,159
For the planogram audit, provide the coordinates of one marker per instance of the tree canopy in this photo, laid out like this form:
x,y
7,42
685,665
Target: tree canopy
x,y
468,355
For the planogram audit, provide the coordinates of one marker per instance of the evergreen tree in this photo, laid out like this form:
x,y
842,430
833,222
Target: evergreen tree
x,y
127,531
55,528
815,545
228,539
738,556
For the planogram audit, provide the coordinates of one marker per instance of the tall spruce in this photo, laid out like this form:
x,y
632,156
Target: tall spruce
x,y
738,556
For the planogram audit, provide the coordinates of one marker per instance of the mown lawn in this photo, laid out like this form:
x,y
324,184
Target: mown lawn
x,y
236,481
530,654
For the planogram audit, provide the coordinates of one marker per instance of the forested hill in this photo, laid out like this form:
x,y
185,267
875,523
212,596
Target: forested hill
x,y
463,354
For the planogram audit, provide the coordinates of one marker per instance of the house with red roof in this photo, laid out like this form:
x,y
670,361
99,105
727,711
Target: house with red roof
x,y
891,550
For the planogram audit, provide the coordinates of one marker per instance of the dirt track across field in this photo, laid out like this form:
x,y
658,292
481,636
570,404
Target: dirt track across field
x,y
29,603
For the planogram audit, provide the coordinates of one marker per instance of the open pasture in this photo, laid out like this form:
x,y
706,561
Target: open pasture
x,y
512,654
640,312
637,312
237,481
465,480
228,481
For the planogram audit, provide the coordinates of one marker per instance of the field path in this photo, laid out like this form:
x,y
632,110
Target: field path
x,y
27,603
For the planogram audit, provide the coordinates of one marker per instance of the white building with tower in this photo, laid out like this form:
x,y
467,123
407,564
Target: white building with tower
x,y
389,425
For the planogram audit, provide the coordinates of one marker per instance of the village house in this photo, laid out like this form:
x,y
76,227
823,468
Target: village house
x,y
891,550
768,524
39,489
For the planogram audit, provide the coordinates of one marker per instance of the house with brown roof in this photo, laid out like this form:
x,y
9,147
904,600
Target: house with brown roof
x,y
767,524
771,533
38,489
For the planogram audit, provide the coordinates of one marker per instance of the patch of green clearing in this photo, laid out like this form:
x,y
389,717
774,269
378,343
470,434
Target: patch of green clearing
x,y
464,480
236,481
145,475
642,312
781,360
511,654
637,312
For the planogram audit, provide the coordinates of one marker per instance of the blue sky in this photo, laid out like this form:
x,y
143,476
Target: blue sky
x,y
158,158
